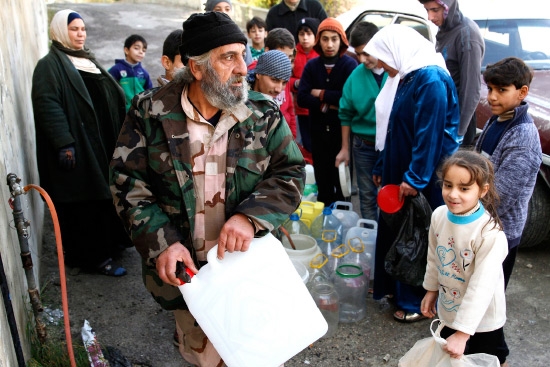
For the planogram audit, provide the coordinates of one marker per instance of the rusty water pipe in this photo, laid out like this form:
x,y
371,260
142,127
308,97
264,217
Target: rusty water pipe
x,y
22,226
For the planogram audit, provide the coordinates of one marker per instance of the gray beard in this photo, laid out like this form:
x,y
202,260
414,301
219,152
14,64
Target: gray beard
x,y
223,95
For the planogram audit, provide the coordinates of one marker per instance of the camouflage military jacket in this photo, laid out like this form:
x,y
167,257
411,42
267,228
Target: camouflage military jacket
x,y
151,173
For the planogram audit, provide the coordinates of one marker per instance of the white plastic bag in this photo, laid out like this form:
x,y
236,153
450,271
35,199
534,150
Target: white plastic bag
x,y
428,352
95,355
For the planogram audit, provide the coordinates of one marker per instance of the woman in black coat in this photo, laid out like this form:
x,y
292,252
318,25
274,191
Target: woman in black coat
x,y
78,113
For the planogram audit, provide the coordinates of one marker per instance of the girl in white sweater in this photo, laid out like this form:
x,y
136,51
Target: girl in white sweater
x,y
464,272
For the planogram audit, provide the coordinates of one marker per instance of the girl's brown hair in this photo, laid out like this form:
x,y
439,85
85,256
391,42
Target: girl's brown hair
x,y
481,172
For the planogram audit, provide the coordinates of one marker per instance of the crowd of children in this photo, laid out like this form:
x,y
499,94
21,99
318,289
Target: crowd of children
x,y
328,100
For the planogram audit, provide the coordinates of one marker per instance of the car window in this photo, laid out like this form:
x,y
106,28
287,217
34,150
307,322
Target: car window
x,y
416,25
381,20
517,37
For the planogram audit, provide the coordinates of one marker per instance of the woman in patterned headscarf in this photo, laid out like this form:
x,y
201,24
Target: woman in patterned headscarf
x,y
78,112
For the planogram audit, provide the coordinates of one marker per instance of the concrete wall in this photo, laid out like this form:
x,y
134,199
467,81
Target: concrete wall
x,y
195,4
241,12
24,40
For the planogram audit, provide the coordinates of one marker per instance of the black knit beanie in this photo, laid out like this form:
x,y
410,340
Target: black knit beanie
x,y
203,32
311,23
210,4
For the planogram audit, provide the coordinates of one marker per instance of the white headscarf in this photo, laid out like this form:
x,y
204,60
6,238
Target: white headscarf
x,y
59,31
405,50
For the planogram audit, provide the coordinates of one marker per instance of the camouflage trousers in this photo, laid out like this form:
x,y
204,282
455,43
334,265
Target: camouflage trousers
x,y
194,345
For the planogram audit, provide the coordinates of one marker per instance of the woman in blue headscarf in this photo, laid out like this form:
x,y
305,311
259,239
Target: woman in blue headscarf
x,y
78,113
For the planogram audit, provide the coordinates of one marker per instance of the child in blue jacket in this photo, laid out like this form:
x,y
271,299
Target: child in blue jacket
x,y
129,73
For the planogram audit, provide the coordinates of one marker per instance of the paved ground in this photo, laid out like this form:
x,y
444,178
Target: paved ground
x,y
124,315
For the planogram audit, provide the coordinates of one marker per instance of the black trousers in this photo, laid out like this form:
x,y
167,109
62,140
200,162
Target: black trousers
x,y
326,139
91,233
508,264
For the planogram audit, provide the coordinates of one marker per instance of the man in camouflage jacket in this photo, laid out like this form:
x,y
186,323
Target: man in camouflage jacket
x,y
196,165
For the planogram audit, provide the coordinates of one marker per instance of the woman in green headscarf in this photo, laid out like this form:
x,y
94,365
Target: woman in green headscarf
x,y
78,113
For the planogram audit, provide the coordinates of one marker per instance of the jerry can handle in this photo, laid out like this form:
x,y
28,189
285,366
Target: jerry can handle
x,y
370,222
342,204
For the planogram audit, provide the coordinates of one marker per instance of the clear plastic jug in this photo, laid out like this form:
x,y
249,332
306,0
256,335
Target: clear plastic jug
x,y
326,221
366,230
336,259
294,225
352,290
357,255
328,241
326,298
318,270
343,210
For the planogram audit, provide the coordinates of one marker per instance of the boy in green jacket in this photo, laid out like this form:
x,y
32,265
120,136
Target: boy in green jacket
x,y
358,118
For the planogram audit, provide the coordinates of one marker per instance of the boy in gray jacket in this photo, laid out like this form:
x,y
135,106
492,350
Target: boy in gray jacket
x,y
511,141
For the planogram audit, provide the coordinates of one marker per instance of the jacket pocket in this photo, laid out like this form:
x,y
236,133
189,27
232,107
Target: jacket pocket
x,y
248,173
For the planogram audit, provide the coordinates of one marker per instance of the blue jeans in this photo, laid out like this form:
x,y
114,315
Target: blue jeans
x,y
364,160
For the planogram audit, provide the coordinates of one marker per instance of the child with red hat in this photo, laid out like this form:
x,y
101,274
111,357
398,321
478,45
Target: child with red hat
x,y
319,91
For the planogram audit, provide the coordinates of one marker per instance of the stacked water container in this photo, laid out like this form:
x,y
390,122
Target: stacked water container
x,y
364,233
327,230
343,210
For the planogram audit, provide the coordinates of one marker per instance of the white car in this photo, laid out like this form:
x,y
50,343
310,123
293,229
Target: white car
x,y
381,13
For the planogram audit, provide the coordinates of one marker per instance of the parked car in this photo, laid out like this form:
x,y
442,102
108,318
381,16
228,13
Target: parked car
x,y
509,29
407,12
521,30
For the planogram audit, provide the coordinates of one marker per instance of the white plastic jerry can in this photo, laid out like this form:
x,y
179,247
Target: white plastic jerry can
x,y
254,306
343,210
